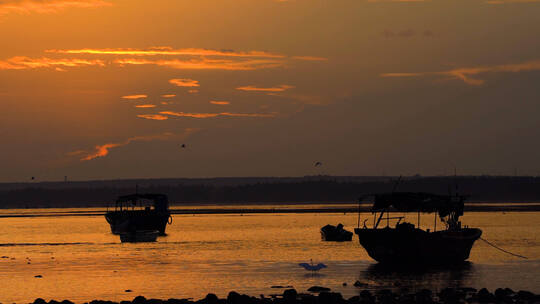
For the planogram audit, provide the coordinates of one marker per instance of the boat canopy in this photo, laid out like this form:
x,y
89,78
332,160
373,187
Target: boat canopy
x,y
419,202
161,202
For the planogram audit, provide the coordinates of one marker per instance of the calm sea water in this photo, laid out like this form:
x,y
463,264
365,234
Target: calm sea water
x,y
79,259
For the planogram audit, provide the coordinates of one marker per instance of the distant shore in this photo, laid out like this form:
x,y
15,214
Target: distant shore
x,y
261,191
321,295
263,209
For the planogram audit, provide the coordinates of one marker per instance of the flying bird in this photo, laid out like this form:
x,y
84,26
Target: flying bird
x,y
183,146
317,164
312,267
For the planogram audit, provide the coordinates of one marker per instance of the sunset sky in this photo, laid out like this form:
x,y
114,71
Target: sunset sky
x,y
103,89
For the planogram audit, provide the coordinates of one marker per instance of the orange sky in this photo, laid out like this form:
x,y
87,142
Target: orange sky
x,y
99,89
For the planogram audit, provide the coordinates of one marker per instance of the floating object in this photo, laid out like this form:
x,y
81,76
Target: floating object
x,y
331,233
312,267
139,236
406,243
38,276
140,212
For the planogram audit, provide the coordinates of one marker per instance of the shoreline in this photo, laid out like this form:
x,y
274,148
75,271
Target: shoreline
x,y
322,295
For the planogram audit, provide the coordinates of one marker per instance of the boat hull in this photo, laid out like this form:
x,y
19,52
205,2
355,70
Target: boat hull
x,y
397,246
139,236
137,220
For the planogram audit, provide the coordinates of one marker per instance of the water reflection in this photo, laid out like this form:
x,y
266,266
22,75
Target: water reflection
x,y
415,278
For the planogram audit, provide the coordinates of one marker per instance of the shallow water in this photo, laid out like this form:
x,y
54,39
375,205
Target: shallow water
x,y
79,259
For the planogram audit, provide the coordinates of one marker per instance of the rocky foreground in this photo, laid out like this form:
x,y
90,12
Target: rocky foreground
x,y
290,296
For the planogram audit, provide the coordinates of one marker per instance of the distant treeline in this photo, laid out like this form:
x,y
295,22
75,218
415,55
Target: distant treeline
x,y
310,190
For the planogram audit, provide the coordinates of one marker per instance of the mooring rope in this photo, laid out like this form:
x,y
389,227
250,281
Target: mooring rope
x,y
494,246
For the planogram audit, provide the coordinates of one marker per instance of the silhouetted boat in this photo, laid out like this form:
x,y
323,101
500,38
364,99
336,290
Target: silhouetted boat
x,y
140,212
139,236
335,233
406,243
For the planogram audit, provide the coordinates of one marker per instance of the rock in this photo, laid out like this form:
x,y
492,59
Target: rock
x,y
290,295
330,298
138,300
233,297
484,296
524,295
38,276
360,284
211,299
318,289
39,301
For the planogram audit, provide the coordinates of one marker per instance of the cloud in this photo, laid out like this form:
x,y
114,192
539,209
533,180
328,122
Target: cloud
x,y
145,106
279,88
46,6
212,115
185,59
24,63
207,64
153,116
168,95
104,149
465,74
168,51
184,82
138,96
220,102
310,58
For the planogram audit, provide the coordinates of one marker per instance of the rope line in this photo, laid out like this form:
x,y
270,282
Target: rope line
x,y
494,246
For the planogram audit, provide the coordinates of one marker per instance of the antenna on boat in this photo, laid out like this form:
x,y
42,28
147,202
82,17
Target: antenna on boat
x,y
396,184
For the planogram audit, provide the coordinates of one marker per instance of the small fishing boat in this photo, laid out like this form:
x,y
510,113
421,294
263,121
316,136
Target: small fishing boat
x,y
332,233
139,212
139,236
405,243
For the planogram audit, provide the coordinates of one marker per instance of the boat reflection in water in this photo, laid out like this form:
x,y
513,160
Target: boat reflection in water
x,y
406,243
139,213
415,278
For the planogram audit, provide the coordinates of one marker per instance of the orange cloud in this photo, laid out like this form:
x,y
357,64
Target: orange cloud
x,y
211,115
138,96
145,106
48,6
168,96
184,82
168,51
465,74
280,88
153,116
207,64
310,58
103,150
218,102
23,63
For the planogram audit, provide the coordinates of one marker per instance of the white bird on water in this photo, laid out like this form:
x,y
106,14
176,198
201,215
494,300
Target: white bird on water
x,y
312,267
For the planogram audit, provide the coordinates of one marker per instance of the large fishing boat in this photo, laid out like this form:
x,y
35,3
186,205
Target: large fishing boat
x,y
140,212
405,243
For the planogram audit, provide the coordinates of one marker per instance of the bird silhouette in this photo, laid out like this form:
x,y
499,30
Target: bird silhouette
x,y
312,267
317,164
183,146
